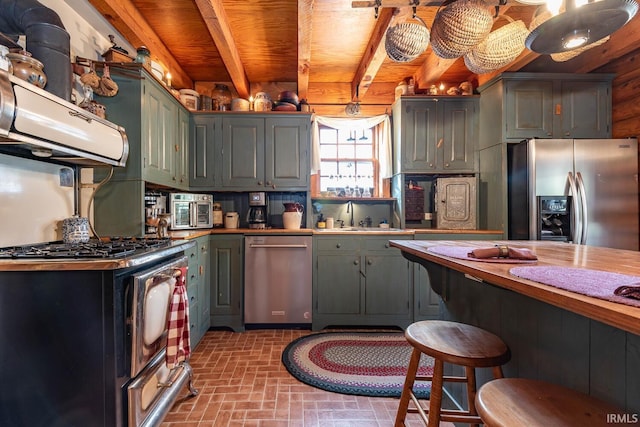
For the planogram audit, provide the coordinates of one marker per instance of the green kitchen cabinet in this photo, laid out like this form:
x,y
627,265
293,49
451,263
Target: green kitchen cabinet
x,y
266,153
226,281
435,134
517,106
360,280
204,150
198,289
157,127
428,288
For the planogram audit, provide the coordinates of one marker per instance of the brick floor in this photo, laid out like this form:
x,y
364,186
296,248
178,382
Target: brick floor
x,y
243,383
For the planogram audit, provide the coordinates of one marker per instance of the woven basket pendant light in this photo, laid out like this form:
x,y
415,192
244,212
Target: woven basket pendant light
x,y
404,42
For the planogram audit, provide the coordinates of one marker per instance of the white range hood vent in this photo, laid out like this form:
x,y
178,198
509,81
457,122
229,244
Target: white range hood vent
x,y
42,125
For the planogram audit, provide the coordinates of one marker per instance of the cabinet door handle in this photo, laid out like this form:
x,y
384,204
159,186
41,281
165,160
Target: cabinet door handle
x,y
201,268
440,141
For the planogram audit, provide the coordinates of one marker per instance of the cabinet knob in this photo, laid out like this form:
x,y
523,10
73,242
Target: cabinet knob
x,y
439,144
430,165
369,262
446,165
338,245
356,262
260,183
176,147
386,245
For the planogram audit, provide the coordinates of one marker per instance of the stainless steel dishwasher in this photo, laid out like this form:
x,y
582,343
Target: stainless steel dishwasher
x,y
277,280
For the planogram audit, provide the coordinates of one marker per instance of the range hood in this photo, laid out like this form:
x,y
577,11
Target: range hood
x,y
40,124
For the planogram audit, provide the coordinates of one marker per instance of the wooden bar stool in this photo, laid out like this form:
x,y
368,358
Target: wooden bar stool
x,y
455,343
524,402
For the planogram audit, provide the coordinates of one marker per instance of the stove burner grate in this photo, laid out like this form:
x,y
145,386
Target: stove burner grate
x,y
113,247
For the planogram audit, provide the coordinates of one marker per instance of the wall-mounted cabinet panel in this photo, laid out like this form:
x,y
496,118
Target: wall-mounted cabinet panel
x,y
205,147
250,152
266,153
435,135
157,129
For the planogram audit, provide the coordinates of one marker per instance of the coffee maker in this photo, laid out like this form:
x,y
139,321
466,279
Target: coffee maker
x,y
257,214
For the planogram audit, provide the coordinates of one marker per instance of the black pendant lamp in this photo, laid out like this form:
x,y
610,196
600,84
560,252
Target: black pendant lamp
x,y
580,26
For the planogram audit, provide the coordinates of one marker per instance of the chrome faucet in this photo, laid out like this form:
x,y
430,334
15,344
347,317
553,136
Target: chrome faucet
x,y
350,210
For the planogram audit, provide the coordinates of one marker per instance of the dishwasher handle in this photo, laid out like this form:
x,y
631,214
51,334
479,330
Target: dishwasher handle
x,y
255,245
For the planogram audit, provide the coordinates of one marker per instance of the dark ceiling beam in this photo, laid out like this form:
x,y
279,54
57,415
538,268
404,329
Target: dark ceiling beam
x,y
305,15
375,53
217,23
127,19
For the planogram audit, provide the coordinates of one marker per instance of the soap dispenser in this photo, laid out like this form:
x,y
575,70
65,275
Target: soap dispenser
x,y
321,222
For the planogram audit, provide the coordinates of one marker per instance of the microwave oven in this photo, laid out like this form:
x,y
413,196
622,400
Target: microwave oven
x,y
190,211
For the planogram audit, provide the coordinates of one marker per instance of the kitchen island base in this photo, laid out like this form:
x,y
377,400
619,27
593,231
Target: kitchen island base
x,y
547,343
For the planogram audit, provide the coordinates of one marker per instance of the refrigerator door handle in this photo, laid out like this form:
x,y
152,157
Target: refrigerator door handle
x,y
576,212
583,206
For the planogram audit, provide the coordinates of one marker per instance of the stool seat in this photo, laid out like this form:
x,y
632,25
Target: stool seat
x,y
449,342
458,343
524,402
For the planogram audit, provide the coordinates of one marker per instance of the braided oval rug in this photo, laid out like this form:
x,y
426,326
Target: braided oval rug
x,y
358,363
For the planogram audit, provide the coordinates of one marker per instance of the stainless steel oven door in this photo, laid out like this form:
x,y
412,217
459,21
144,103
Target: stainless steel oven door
x,y
152,394
152,291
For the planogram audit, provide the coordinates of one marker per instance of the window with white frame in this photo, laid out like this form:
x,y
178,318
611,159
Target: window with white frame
x,y
348,164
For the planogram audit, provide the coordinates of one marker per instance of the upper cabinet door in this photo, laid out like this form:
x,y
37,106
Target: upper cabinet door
x,y
287,147
459,133
528,109
204,151
159,135
419,136
243,152
586,109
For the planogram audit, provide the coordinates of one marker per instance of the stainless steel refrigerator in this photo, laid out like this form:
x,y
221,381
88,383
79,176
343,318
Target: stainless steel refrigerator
x,y
586,187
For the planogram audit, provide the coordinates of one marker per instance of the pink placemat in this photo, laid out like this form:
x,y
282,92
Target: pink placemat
x,y
593,283
462,252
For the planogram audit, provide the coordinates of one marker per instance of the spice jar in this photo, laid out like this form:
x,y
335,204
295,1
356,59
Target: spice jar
x,y
217,215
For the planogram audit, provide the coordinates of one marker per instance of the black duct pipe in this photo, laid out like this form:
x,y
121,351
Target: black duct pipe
x,y
47,40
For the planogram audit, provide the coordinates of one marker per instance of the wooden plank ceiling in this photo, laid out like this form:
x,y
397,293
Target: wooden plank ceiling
x,y
326,50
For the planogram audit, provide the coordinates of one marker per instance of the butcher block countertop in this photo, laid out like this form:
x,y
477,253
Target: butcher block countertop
x,y
192,234
558,254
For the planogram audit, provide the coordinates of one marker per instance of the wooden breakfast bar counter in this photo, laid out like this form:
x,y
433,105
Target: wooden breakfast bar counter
x,y
582,342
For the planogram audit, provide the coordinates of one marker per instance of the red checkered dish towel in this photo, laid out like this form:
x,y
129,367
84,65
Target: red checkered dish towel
x,y
178,341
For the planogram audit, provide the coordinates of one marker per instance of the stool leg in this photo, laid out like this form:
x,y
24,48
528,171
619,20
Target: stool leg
x,y
497,372
412,370
435,399
471,390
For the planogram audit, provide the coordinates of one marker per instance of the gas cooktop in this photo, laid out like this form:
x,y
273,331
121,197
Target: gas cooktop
x,y
113,247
